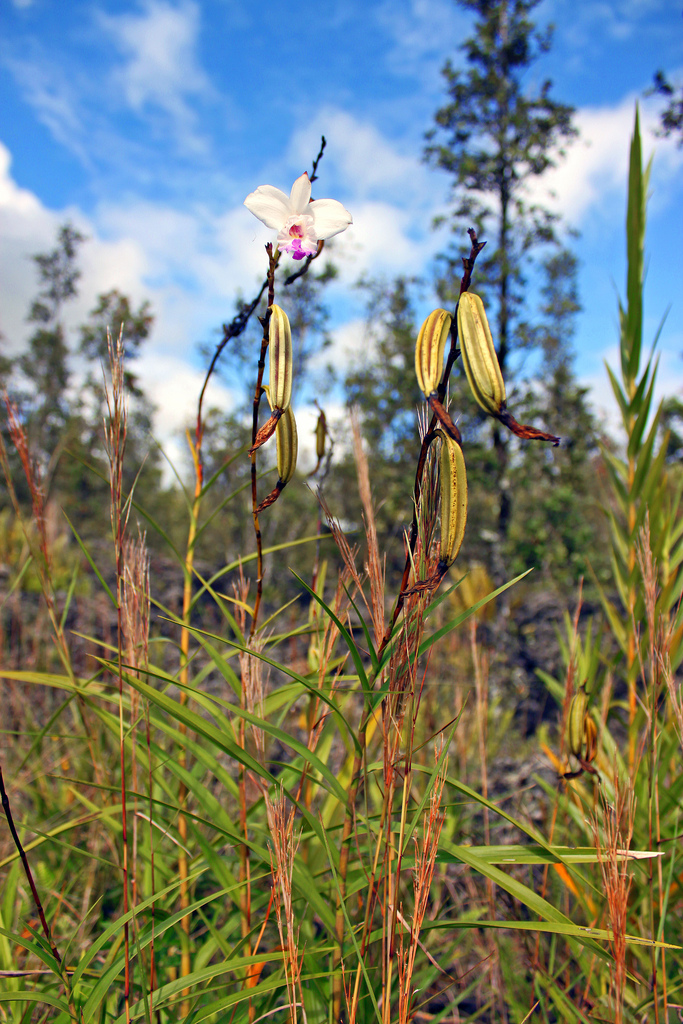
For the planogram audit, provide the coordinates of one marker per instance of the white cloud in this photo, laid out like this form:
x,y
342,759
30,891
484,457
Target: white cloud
x,y
379,242
26,227
55,94
348,343
84,87
161,69
360,159
174,388
394,197
188,266
195,263
591,180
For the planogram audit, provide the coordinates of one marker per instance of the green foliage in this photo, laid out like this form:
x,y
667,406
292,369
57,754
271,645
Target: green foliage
x,y
671,118
203,764
243,813
382,384
385,388
556,525
644,495
629,673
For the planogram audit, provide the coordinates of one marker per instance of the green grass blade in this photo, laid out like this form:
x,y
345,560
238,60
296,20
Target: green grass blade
x,y
348,639
311,687
91,561
463,616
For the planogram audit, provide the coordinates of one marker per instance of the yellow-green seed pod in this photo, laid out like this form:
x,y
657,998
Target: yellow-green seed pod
x,y
576,723
479,355
453,479
281,361
287,443
591,737
320,436
430,348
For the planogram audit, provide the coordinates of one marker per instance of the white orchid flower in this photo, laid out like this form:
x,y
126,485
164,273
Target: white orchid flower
x,y
300,223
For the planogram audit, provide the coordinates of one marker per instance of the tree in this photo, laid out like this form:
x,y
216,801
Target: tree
x,y
671,118
45,365
556,525
114,313
497,139
6,365
383,385
61,418
558,308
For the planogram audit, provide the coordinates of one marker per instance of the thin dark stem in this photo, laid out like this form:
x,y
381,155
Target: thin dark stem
x,y
466,280
122,758
115,442
245,868
36,898
258,391
314,172
469,261
232,330
27,870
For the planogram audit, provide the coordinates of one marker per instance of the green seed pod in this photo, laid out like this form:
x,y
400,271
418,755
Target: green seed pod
x,y
429,350
479,355
320,436
286,440
281,361
453,480
576,723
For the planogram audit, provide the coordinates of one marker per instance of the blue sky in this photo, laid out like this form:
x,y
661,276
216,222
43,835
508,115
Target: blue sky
x,y
146,122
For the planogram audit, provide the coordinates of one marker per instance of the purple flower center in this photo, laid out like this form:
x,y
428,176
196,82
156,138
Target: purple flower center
x,y
297,236
296,252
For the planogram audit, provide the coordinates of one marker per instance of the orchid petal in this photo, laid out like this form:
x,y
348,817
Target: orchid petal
x,y
330,217
271,205
300,194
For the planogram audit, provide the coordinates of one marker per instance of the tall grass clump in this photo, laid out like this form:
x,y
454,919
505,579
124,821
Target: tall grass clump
x,y
244,814
628,671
